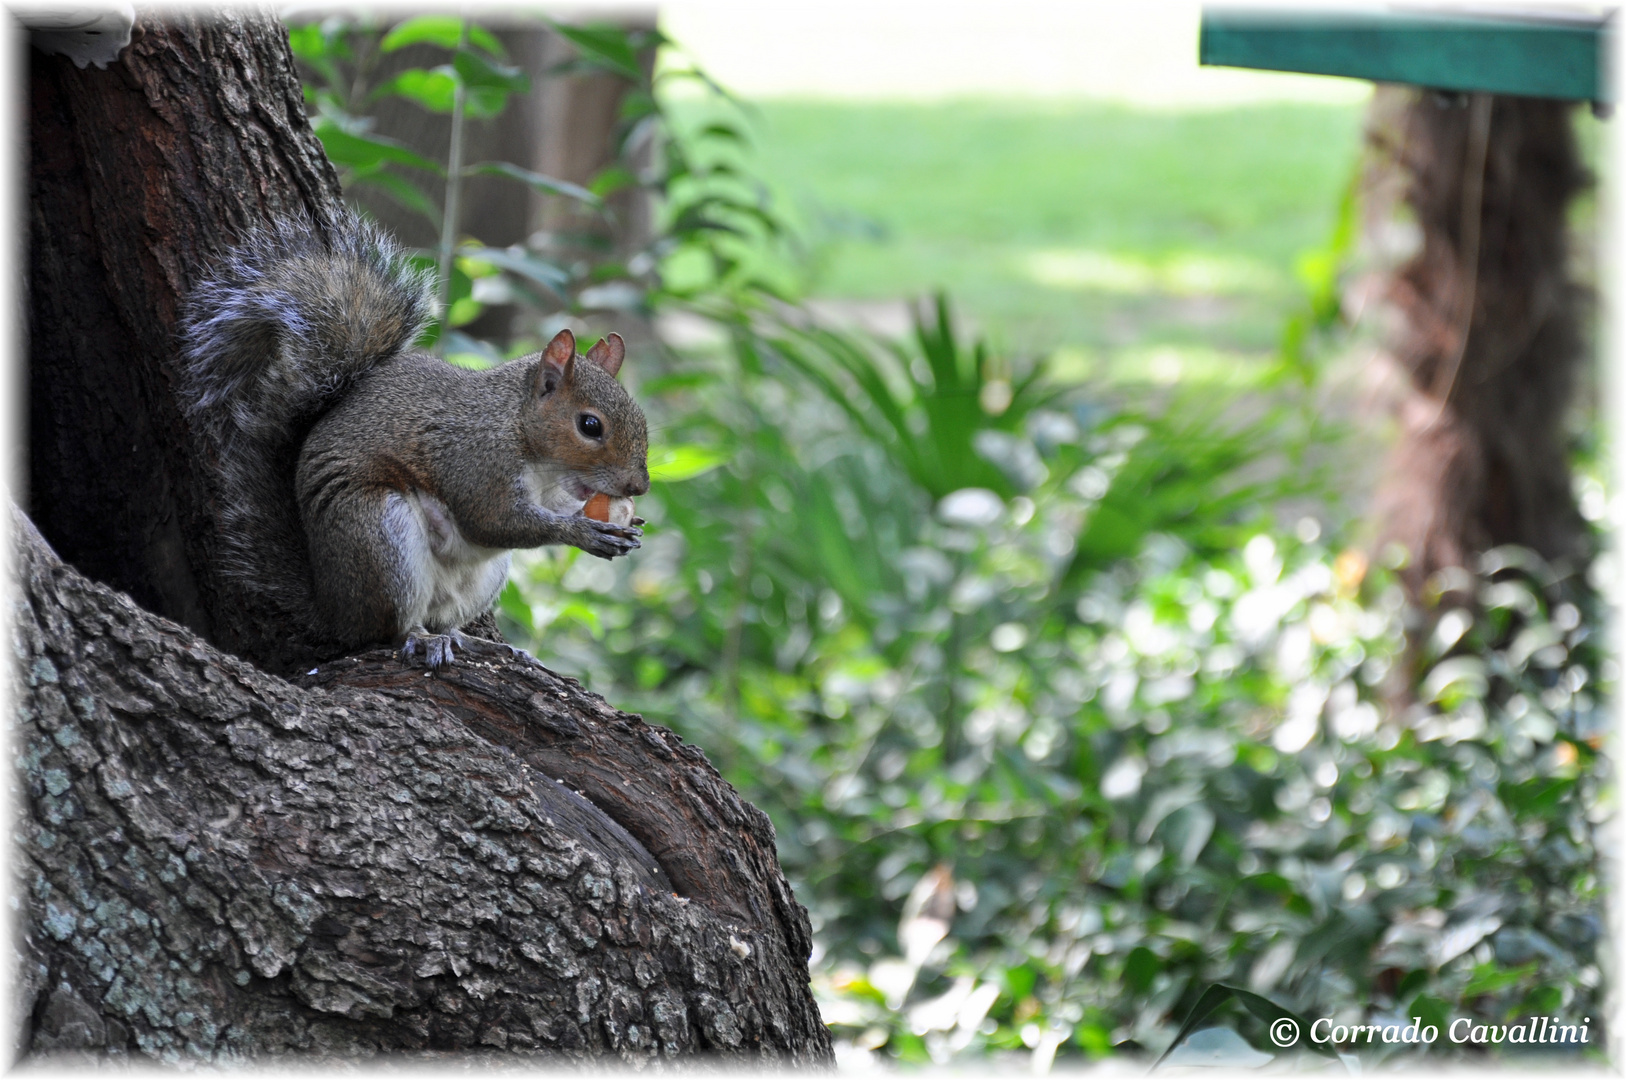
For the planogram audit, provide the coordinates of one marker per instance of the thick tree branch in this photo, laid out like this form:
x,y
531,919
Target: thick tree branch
x,y
221,865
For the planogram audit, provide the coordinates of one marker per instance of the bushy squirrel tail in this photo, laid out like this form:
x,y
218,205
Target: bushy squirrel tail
x,y
291,317
272,336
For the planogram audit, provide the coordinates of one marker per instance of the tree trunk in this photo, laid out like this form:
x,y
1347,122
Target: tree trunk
x,y
221,865
217,864
1492,337
138,175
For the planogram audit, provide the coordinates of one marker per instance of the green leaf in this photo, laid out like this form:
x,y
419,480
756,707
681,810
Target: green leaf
x,y
310,44
464,311
1487,978
435,90
1543,999
546,274
650,672
484,102
1140,966
665,384
1413,982
1535,797
402,191
1432,1011
443,30
349,150
725,132
606,47
613,179
1020,981
910,1048
581,613
684,462
480,73
547,185
325,46
513,604
1218,994
639,105
1270,883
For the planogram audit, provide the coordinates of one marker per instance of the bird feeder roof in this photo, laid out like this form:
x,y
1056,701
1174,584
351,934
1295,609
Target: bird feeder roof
x,y
1534,54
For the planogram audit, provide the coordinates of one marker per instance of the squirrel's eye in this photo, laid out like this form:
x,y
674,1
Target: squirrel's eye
x,y
590,425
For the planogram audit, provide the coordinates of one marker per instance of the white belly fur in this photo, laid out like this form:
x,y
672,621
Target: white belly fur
x,y
465,578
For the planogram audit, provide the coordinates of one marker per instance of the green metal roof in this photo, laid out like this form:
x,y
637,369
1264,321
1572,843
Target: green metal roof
x,y
1536,56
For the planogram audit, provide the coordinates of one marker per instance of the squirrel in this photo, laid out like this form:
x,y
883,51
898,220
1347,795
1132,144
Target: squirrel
x,y
370,492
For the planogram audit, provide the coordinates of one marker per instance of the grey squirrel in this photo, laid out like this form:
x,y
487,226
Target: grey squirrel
x,y
373,493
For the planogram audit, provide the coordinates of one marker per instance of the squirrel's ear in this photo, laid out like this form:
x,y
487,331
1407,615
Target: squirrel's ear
x,y
557,359
609,353
560,350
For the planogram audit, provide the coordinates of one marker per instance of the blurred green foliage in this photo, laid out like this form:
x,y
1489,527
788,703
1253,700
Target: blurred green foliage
x,y
1061,726
341,58
1039,794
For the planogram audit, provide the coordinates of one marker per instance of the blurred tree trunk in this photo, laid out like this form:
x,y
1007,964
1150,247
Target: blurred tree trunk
x,y
216,864
1492,338
578,131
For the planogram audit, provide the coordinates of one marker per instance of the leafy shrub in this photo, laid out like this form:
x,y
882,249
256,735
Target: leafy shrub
x,y
709,213
1038,796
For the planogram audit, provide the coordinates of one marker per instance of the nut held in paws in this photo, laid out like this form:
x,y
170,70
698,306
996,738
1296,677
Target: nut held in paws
x,y
601,507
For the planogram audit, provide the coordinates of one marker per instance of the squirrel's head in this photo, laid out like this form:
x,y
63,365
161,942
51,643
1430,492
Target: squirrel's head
x,y
581,419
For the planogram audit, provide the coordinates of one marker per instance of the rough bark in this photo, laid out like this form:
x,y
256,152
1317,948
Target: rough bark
x,y
1492,335
221,865
217,864
138,175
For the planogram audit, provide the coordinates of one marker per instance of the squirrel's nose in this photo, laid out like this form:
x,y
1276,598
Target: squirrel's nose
x,y
639,486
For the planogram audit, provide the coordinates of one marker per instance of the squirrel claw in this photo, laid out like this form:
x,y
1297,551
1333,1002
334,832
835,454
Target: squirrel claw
x,y
436,648
607,540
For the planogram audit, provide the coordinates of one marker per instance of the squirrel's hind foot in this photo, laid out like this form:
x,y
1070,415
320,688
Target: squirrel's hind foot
x,y
436,649
514,651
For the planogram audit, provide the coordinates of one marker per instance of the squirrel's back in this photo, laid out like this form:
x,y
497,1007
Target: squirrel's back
x,y
272,336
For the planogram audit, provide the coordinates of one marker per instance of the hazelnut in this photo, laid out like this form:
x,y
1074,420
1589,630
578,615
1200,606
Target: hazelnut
x,y
601,507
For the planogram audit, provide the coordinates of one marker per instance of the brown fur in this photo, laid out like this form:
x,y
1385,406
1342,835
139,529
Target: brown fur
x,y
392,518
485,446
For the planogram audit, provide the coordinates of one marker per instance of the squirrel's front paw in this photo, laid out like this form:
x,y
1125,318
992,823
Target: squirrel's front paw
x,y
436,649
606,540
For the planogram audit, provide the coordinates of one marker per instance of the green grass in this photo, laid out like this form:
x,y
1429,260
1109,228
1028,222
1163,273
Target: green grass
x,y
1093,227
